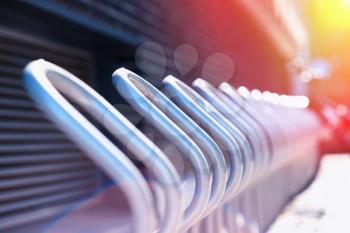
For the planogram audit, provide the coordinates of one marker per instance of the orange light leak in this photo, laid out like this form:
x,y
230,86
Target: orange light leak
x,y
330,24
332,14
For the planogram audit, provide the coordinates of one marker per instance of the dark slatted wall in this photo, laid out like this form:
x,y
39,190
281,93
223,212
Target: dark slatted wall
x,y
210,26
41,171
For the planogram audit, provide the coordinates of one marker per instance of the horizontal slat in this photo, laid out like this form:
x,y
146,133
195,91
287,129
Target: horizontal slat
x,y
17,103
36,180
42,201
18,148
30,216
115,30
16,92
21,114
40,158
14,81
19,49
45,189
25,126
40,44
5,69
44,168
32,136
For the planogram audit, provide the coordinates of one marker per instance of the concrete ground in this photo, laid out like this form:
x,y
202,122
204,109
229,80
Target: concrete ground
x,y
325,206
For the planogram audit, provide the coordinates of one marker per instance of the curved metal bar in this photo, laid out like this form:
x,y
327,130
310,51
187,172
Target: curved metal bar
x,y
134,92
209,92
267,109
241,119
44,82
193,104
260,127
196,133
270,128
276,130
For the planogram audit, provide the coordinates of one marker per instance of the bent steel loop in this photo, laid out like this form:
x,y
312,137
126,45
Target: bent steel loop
x,y
276,131
198,135
127,84
257,141
140,146
38,76
267,108
257,122
269,128
224,105
195,106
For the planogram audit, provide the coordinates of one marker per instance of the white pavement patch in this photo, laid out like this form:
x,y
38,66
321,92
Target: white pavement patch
x,y
325,206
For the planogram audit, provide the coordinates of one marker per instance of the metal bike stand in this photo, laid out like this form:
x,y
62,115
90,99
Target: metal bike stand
x,y
209,92
46,81
129,86
198,109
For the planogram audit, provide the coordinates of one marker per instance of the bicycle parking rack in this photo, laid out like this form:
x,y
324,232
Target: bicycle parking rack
x,y
218,162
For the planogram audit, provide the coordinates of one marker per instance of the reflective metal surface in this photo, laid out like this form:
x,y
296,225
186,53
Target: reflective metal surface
x,y
216,160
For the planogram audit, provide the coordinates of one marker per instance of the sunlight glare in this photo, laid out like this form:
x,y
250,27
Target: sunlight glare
x,y
333,14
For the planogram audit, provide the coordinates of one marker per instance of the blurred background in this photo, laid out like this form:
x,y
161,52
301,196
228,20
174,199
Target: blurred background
x,y
328,26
